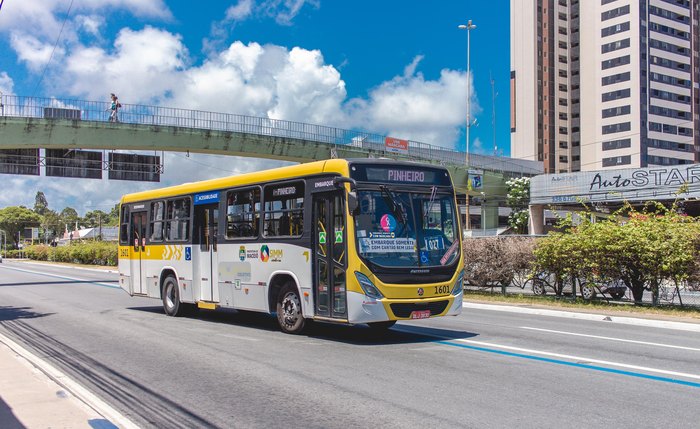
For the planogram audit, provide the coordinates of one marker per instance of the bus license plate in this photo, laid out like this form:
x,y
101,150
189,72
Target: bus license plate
x,y
422,314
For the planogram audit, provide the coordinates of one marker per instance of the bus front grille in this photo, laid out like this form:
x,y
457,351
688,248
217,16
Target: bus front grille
x,y
405,310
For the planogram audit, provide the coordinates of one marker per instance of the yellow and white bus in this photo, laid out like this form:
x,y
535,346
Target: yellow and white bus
x,y
345,241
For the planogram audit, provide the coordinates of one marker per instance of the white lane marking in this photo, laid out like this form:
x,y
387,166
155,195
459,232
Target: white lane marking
x,y
580,359
60,276
681,326
91,400
113,270
646,343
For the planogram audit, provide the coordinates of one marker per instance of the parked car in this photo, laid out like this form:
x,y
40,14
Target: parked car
x,y
544,283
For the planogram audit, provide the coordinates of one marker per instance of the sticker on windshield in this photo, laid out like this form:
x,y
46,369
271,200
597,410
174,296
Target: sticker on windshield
x,y
424,257
388,223
434,243
387,245
449,252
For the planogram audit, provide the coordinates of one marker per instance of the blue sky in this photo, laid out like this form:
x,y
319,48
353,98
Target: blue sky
x,y
395,67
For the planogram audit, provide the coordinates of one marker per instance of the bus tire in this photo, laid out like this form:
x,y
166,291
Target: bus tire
x,y
171,297
382,326
289,314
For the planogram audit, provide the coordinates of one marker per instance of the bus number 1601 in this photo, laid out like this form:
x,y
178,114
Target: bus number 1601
x,y
439,290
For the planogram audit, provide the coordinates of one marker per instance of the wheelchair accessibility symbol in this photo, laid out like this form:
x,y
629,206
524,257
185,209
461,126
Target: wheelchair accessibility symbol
x,y
188,253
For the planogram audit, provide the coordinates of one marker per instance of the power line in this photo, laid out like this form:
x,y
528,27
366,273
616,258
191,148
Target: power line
x,y
54,46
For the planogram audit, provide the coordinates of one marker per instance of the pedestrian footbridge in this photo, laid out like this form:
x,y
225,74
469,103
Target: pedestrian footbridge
x,y
51,123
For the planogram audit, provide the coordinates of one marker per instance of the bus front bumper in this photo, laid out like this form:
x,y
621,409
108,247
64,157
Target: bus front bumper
x,y
363,309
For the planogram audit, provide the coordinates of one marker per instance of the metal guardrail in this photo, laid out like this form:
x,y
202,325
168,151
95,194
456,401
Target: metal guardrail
x,y
682,295
70,109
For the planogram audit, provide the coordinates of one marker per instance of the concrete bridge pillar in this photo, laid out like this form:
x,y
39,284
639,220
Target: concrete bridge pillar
x,y
489,214
536,224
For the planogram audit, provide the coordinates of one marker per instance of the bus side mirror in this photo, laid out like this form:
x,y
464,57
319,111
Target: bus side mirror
x,y
352,202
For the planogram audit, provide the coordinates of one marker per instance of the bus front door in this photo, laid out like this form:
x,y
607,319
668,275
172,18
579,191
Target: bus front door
x,y
138,243
329,255
207,228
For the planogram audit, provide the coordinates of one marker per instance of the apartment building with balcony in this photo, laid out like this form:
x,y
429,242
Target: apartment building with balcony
x,y
604,83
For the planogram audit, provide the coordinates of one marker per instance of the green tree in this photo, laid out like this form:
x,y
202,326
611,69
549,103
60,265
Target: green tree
x,y
114,216
69,216
51,223
644,249
95,218
14,219
651,247
518,199
41,205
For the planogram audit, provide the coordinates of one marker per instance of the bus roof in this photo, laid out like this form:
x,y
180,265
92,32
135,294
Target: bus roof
x,y
340,166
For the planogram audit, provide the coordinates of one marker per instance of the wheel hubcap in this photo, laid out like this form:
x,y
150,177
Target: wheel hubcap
x,y
290,309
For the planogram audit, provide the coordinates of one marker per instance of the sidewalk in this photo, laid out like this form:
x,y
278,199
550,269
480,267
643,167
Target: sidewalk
x,y
35,395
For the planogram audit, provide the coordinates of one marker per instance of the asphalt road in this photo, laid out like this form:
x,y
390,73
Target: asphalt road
x,y
236,370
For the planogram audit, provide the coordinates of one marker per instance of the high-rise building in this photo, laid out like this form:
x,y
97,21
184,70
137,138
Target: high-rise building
x,y
605,83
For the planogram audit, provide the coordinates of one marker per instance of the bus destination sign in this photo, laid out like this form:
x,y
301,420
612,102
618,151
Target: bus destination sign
x,y
402,175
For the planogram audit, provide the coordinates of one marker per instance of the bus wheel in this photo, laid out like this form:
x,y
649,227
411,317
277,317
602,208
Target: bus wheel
x,y
171,297
289,314
382,326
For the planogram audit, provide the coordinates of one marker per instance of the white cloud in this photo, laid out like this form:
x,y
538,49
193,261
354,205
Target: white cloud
x,y
143,66
45,17
284,11
409,106
33,52
308,90
240,11
6,84
477,146
90,24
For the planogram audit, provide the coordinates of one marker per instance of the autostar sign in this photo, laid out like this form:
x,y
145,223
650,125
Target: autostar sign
x,y
633,184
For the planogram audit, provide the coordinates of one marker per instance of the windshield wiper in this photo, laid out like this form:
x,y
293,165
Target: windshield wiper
x,y
394,206
433,193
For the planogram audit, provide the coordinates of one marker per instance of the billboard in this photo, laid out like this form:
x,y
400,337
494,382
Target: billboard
x,y
396,145
630,184
73,163
61,113
19,161
141,168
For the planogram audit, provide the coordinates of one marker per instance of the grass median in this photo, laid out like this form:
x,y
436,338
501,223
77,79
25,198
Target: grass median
x,y
598,306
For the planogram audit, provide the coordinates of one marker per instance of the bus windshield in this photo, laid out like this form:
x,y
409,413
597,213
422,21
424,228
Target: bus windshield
x,y
398,228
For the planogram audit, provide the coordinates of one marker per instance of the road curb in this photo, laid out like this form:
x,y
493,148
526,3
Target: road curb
x,y
75,389
609,318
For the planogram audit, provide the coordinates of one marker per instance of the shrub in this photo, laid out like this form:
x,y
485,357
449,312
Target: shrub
x,y
496,261
88,253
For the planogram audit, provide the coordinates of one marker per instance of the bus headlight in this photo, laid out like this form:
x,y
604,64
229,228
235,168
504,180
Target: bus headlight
x,y
457,289
367,286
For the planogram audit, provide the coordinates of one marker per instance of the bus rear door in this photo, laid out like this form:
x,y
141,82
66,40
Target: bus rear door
x,y
206,218
329,255
137,227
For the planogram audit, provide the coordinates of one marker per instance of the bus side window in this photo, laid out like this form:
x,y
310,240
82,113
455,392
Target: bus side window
x,y
124,229
242,213
157,209
284,213
178,220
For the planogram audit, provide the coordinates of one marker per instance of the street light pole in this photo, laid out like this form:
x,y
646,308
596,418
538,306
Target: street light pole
x,y
469,27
